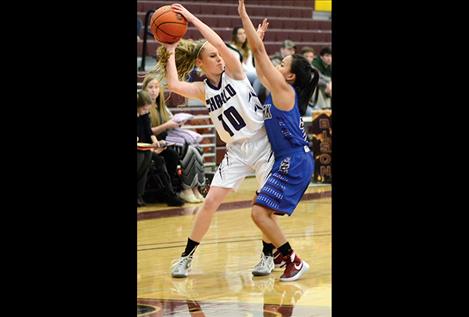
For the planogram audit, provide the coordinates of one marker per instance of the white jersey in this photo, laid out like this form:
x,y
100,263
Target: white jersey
x,y
234,109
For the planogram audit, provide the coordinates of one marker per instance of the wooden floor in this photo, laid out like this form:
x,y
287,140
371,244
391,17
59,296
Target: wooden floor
x,y
221,283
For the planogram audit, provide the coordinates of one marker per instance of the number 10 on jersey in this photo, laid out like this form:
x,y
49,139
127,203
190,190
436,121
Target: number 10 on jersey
x,y
235,119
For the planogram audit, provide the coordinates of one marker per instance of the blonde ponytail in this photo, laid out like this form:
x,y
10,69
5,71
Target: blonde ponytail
x,y
187,52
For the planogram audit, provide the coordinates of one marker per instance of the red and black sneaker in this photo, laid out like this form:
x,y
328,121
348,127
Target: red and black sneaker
x,y
278,260
295,268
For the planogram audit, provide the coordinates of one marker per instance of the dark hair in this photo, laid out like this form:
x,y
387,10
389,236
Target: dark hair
x,y
143,99
242,47
306,80
235,30
325,50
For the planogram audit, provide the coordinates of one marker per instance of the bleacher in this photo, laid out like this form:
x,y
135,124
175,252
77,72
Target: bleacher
x,y
288,19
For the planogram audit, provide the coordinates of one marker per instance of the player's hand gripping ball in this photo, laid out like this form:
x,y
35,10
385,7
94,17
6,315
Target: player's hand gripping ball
x,y
167,26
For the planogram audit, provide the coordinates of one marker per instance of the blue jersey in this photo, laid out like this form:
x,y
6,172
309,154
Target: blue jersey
x,y
285,129
294,163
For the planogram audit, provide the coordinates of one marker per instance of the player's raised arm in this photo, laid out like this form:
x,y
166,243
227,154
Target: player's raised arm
x,y
233,66
189,90
283,94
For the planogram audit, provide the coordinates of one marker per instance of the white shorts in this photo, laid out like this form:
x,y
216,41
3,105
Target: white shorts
x,y
252,156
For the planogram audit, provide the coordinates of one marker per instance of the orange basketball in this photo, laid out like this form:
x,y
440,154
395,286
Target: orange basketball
x,y
167,26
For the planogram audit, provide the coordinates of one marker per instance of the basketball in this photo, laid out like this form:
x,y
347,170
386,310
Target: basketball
x,y
167,26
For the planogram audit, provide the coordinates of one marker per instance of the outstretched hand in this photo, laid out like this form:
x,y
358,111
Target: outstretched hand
x,y
241,7
262,28
178,8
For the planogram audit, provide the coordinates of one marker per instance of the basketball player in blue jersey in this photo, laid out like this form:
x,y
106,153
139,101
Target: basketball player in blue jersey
x,y
235,111
291,84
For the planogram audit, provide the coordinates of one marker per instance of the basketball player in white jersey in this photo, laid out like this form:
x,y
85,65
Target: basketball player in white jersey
x,y
235,111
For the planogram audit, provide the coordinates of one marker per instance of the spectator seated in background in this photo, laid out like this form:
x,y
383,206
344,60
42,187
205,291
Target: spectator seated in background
x,y
323,63
239,46
288,48
148,148
188,155
143,156
308,53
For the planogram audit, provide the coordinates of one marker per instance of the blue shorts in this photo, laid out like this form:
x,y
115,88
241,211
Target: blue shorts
x,y
289,179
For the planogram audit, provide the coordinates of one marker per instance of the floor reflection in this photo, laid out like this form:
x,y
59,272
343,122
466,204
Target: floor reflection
x,y
258,296
279,298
